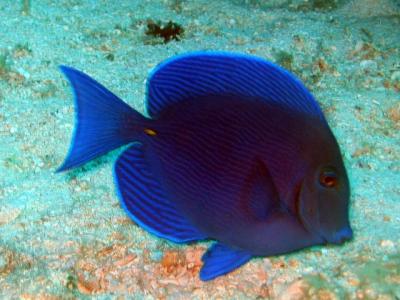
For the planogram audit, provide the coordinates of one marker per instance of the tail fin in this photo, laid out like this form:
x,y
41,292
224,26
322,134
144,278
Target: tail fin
x,y
103,121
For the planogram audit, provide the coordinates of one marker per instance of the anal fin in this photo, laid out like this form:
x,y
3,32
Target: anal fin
x,y
145,201
220,259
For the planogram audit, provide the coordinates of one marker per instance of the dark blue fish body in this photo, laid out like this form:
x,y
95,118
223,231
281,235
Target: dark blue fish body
x,y
228,153
235,150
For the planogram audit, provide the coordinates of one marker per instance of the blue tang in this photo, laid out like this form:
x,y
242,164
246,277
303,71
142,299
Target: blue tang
x,y
235,149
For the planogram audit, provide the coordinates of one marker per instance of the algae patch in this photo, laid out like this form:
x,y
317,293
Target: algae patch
x,y
285,59
166,31
382,275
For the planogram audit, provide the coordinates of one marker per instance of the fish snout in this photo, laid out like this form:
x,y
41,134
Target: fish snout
x,y
343,235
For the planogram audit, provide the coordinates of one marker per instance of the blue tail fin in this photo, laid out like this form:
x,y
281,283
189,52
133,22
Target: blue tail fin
x,y
103,121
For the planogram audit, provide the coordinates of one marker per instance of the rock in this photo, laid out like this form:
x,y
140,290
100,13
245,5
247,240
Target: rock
x,y
369,66
297,290
371,8
6,261
8,214
388,244
395,76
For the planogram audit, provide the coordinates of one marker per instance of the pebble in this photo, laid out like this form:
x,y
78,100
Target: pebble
x,y
296,290
13,130
6,261
387,244
8,214
156,255
24,73
395,76
3,262
369,65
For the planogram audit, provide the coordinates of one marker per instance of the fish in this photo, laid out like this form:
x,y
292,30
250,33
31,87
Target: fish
x,y
233,149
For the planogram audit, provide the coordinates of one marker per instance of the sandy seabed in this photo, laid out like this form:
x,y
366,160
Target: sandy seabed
x,y
65,235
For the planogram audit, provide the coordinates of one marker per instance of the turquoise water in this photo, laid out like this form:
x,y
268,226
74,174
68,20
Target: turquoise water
x,y
65,235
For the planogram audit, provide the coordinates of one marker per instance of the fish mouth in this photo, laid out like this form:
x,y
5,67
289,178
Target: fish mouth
x,y
321,236
340,237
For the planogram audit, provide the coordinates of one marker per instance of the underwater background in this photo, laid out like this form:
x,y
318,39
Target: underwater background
x,y
65,236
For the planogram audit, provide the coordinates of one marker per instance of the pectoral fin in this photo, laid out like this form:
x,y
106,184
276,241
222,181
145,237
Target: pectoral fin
x,y
259,196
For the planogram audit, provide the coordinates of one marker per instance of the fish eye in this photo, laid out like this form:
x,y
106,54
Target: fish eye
x,y
328,178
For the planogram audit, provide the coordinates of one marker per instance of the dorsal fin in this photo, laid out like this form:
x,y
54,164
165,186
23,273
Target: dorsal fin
x,y
222,73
